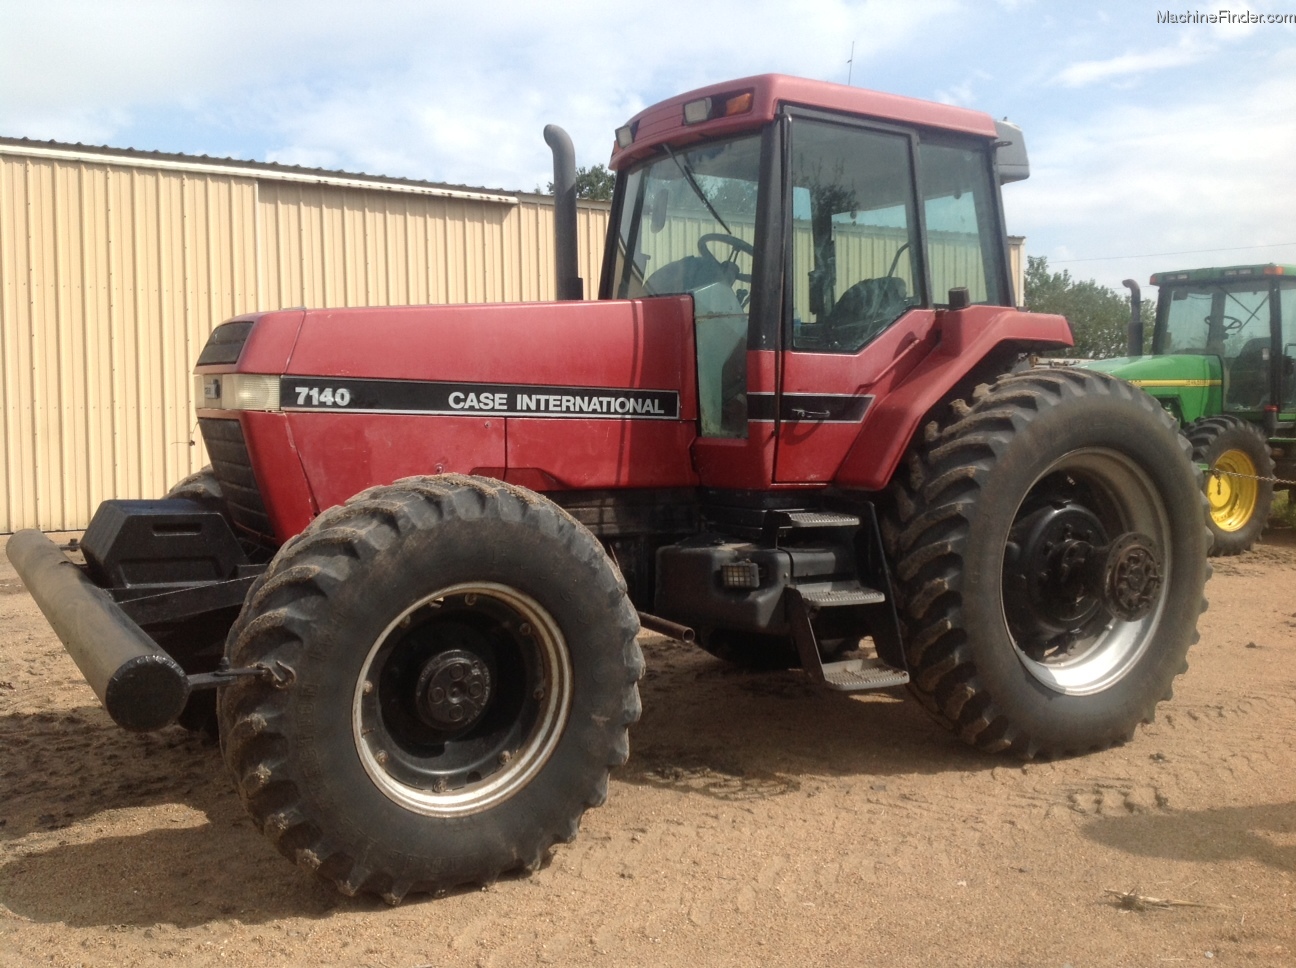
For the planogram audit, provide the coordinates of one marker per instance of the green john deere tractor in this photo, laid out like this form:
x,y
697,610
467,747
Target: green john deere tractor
x,y
1223,361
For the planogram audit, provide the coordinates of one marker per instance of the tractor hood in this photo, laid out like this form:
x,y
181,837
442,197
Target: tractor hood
x,y
1182,370
1188,385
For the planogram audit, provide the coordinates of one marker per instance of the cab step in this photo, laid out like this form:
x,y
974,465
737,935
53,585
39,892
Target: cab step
x,y
846,675
820,519
852,675
831,594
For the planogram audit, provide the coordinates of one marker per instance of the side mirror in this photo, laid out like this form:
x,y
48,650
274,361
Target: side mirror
x,y
1011,162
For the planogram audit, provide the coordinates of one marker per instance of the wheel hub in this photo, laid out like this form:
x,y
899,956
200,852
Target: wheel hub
x,y
1062,576
453,690
1131,576
1046,591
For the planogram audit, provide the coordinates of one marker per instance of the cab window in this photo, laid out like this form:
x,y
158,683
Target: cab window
x,y
854,240
964,249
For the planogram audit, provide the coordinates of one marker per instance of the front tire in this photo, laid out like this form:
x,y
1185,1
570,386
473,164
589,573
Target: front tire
x,y
1008,642
1238,457
455,670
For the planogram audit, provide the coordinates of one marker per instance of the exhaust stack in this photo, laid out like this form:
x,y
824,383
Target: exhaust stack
x,y
569,284
1134,342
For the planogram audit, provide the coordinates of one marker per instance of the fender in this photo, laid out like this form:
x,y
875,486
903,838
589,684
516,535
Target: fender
x,y
965,338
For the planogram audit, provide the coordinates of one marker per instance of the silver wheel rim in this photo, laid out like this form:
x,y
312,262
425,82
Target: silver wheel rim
x,y
551,690
1130,503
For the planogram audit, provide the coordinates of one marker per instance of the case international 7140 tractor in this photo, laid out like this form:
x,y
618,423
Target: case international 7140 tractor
x,y
795,426
1223,362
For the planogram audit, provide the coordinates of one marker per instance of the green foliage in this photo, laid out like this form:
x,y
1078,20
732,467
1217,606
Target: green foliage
x,y
1099,316
594,183
1283,512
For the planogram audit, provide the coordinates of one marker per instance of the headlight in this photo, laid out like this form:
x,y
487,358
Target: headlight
x,y
236,391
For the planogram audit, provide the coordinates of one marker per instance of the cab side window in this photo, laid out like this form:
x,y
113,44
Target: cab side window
x,y
963,244
854,262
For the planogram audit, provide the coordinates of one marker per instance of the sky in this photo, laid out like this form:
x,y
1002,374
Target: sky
x,y
1153,145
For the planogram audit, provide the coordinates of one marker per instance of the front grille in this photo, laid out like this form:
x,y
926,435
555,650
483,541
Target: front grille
x,y
232,466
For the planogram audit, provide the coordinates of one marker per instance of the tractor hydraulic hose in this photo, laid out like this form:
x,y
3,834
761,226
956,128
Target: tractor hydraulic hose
x,y
140,686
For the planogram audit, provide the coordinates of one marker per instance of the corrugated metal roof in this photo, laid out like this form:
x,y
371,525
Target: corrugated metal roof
x,y
175,160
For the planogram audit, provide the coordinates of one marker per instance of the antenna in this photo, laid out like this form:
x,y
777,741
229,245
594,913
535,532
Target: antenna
x,y
851,64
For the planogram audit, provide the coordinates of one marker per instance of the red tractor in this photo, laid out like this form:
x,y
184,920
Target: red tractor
x,y
796,427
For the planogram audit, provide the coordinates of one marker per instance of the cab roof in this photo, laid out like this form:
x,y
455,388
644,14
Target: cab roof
x,y
1222,274
664,122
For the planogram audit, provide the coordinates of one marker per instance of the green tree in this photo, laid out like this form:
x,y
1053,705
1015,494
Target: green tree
x,y
594,183
1099,316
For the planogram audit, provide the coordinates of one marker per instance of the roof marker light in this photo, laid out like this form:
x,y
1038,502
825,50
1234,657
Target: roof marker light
x,y
695,112
624,136
739,104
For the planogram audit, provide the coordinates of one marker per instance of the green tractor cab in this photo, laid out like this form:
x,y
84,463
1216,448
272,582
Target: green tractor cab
x,y
1223,361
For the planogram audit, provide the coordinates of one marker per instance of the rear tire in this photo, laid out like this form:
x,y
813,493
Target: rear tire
x,y
456,669
201,643
1011,663
1237,454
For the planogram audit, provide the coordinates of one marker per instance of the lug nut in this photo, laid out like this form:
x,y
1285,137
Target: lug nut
x,y
525,628
368,688
504,757
381,757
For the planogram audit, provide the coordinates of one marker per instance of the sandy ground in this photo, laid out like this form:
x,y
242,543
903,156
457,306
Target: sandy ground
x,y
759,822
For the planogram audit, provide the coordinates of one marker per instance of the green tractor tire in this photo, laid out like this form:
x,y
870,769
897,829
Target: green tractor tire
x,y
1237,485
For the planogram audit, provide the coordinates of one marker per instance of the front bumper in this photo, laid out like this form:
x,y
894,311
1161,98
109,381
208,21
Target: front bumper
x,y
140,685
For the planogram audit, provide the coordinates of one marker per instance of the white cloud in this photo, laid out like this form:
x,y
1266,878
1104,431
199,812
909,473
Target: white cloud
x,y
1127,66
453,92
1205,171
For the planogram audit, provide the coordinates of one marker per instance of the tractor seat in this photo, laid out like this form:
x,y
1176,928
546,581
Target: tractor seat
x,y
865,309
1246,379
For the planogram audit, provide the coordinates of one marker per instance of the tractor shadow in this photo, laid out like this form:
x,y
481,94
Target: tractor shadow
x,y
1262,833
729,734
101,827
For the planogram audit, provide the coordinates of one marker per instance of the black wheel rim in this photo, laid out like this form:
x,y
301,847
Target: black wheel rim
x,y
461,699
1066,638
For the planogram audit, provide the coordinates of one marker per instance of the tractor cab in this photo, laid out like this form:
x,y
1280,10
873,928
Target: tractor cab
x,y
1243,319
816,244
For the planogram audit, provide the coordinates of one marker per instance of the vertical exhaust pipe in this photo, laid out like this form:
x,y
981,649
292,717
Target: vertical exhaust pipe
x,y
567,275
1134,343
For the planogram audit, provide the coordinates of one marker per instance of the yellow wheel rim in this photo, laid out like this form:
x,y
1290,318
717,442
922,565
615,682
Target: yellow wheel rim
x,y
1232,497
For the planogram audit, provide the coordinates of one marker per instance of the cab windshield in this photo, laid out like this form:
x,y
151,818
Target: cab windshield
x,y
688,221
1216,319
688,225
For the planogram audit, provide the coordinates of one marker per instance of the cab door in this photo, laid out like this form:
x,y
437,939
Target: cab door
x,y
854,270
883,223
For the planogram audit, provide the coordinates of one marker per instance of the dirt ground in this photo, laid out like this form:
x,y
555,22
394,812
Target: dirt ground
x,y
759,822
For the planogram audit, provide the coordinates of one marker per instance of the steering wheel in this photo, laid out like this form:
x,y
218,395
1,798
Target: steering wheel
x,y
1231,325
736,245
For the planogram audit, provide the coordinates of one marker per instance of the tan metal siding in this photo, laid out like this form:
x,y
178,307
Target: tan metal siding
x,y
112,279
112,276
